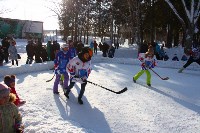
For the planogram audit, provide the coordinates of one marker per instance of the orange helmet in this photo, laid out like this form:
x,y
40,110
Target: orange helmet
x,y
87,50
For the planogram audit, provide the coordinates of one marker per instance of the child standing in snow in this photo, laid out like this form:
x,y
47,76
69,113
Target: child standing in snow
x,y
9,80
148,62
11,120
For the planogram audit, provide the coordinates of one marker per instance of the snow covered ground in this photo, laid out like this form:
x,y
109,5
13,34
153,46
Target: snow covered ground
x,y
169,106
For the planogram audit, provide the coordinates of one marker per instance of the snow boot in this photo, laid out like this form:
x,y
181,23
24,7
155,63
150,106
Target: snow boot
x,y
55,92
80,101
67,94
181,70
134,80
149,85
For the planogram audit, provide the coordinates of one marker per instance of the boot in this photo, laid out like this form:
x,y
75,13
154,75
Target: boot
x,y
80,101
149,85
67,94
181,70
134,80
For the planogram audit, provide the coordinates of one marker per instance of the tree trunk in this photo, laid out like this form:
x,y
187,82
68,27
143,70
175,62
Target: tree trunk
x,y
189,38
169,37
176,38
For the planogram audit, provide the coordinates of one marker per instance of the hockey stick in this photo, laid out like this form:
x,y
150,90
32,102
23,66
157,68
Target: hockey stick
x,y
51,78
118,92
165,78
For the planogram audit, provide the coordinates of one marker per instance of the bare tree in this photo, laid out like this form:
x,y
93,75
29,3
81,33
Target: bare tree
x,y
192,11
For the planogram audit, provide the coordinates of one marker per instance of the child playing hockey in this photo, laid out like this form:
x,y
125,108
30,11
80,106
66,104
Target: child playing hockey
x,y
194,57
79,68
9,80
148,62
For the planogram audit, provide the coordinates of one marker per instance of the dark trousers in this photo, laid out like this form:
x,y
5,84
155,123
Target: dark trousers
x,y
6,57
95,50
29,60
190,61
15,61
82,88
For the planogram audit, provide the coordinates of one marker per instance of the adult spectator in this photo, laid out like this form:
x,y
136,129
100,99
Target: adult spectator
x,y
157,51
1,56
5,45
100,46
49,47
111,52
55,49
12,50
30,52
105,48
95,47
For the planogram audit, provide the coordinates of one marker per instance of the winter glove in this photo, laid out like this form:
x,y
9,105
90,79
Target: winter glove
x,y
19,128
72,74
84,79
55,66
57,71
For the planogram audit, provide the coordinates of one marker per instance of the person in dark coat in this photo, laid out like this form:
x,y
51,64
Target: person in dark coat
x,y
30,52
100,46
143,48
111,52
38,52
5,45
1,56
44,54
105,48
95,47
194,57
48,49
54,50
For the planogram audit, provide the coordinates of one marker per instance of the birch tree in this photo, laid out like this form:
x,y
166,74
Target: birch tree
x,y
189,25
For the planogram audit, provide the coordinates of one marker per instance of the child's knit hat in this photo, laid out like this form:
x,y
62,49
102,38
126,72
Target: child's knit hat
x,y
8,79
4,90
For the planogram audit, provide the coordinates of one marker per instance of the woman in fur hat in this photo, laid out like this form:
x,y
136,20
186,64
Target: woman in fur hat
x,y
79,68
11,120
148,62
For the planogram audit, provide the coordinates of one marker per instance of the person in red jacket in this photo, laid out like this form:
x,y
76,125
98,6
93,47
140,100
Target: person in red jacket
x,y
9,80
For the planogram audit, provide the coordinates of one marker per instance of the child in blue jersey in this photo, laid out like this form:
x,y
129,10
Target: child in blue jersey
x,y
60,63
148,62
73,53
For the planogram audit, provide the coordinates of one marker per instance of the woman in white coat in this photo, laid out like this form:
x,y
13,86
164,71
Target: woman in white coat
x,y
12,50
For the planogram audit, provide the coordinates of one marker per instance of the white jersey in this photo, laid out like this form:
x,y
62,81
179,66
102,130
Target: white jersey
x,y
79,68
